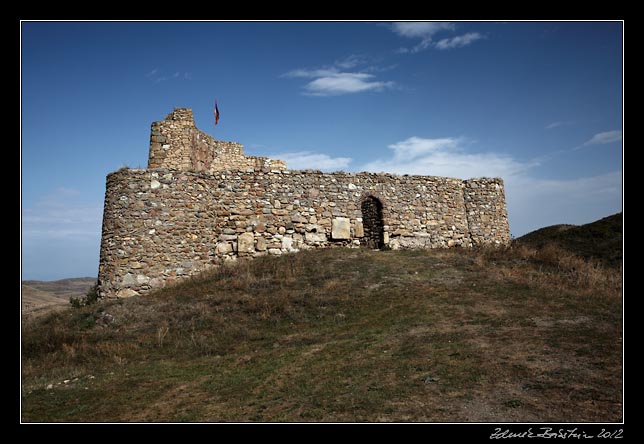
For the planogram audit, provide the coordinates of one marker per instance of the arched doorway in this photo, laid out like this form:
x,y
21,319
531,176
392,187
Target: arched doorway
x,y
374,235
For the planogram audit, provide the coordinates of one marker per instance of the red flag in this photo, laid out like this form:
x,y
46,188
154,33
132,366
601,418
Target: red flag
x,y
216,113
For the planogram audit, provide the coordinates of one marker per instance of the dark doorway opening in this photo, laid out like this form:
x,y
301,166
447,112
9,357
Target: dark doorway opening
x,y
374,233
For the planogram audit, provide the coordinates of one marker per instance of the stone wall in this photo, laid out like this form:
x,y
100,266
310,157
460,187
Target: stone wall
x,y
160,225
202,202
177,144
486,211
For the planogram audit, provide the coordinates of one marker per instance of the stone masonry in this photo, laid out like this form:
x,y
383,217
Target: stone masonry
x,y
201,202
177,144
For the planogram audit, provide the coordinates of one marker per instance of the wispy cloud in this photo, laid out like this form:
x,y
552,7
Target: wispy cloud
x,y
537,202
601,139
61,235
62,214
385,68
533,202
458,41
156,75
604,138
558,124
425,31
334,80
351,61
307,160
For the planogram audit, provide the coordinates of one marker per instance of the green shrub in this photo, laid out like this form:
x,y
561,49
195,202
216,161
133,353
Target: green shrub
x,y
90,297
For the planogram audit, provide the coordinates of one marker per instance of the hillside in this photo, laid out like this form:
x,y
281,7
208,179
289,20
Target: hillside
x,y
42,297
63,288
343,335
600,240
36,302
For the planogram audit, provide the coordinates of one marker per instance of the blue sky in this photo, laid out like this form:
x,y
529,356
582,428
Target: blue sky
x,y
538,104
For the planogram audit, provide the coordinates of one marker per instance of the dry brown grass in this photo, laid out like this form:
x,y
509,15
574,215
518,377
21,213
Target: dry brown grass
x,y
343,335
552,268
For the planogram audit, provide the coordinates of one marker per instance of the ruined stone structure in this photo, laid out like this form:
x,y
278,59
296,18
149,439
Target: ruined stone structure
x,y
202,202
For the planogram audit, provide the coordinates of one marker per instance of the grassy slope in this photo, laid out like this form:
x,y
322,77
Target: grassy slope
x,y
342,335
35,302
600,240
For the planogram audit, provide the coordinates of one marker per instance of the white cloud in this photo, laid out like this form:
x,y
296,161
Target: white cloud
x,y
332,82
425,31
420,29
410,149
305,160
444,157
605,137
345,83
533,202
458,41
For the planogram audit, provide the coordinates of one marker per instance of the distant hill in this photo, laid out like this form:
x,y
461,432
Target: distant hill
x,y
600,240
40,297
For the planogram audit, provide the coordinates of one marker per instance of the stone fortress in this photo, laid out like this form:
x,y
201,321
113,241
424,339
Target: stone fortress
x,y
202,202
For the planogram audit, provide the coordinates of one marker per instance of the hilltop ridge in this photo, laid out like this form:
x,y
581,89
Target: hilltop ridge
x,y
600,240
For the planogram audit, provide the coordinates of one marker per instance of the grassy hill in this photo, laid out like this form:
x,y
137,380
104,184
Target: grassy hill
x,y
343,335
600,240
